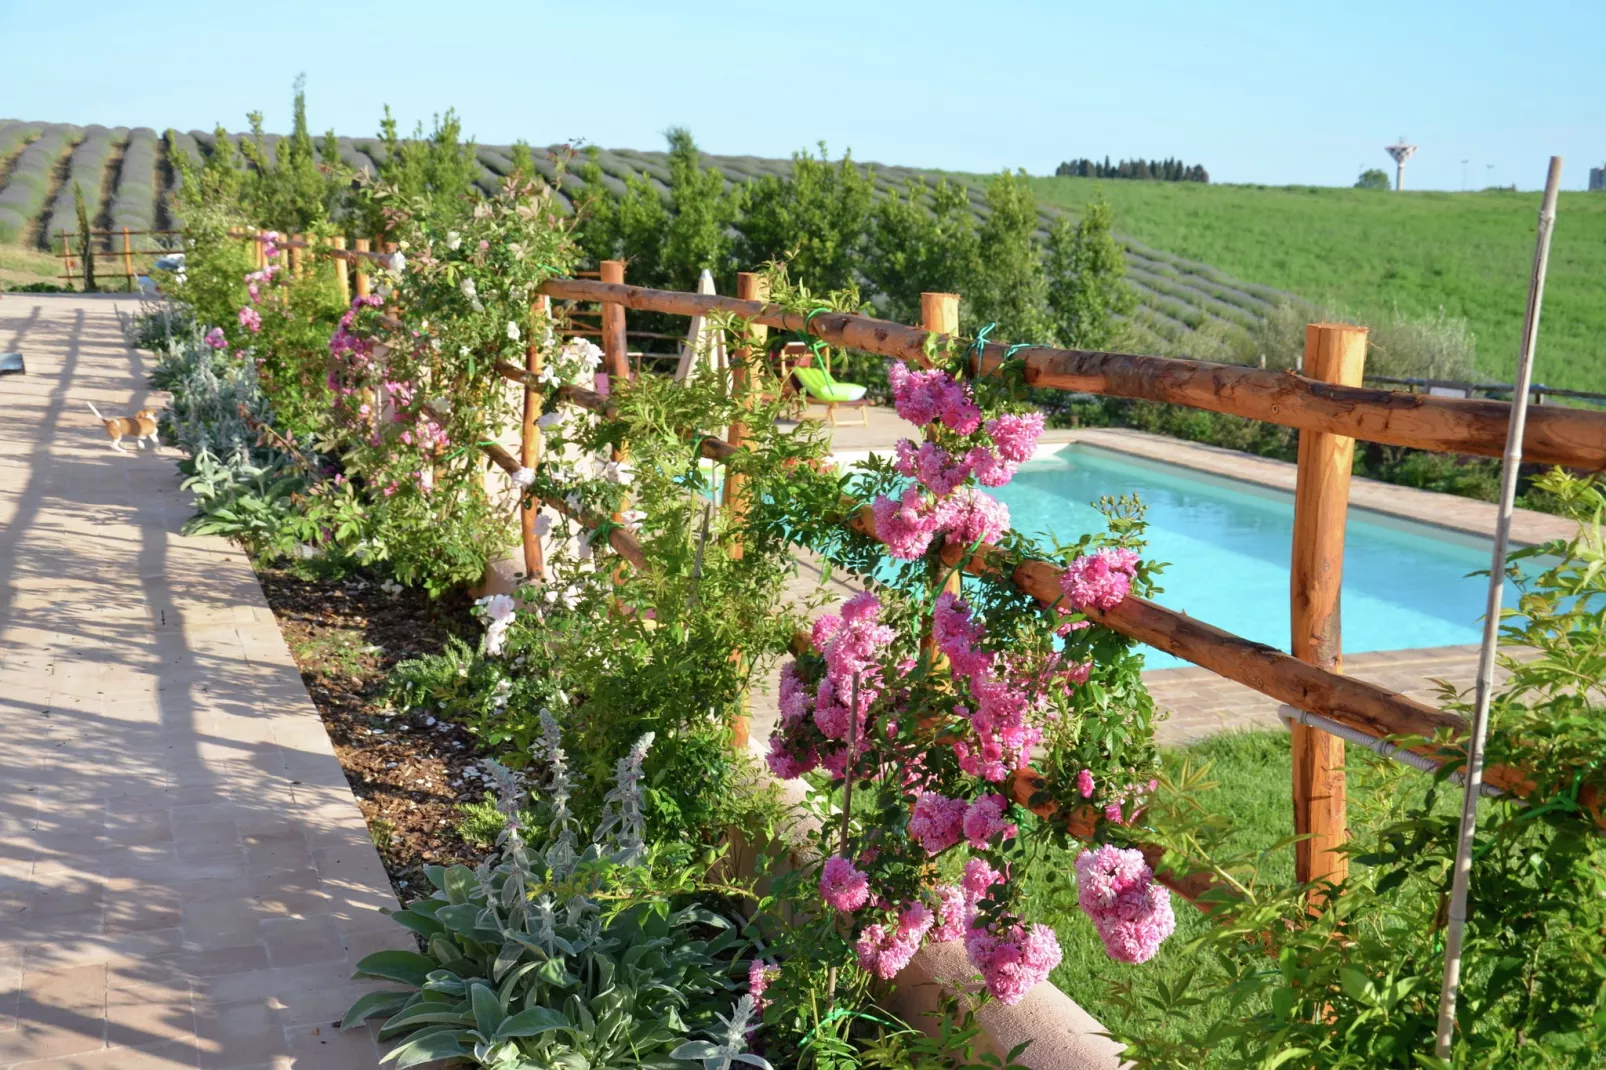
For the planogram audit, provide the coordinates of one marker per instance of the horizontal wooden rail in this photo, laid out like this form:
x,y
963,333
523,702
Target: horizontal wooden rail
x,y
624,543
1367,707
1572,437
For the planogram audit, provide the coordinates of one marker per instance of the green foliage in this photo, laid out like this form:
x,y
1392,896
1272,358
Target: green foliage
x,y
434,173
1087,290
1373,178
289,189
816,220
462,295
1357,983
86,244
922,240
1418,251
549,957
1013,289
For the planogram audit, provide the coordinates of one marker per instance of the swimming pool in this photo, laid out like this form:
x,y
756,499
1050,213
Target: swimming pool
x,y
1227,542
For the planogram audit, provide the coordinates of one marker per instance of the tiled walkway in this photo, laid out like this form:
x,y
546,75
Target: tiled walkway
x,y
185,879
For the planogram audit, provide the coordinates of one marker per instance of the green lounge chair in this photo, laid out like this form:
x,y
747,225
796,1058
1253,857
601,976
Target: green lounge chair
x,y
825,390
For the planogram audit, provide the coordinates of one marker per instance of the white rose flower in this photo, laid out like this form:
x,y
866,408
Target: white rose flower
x,y
512,331
397,263
524,477
468,288
454,240
549,420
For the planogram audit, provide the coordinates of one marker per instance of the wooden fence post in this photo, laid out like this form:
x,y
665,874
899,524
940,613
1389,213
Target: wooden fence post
x,y
128,258
750,286
616,360
362,268
342,278
66,257
1334,353
295,254
530,444
939,313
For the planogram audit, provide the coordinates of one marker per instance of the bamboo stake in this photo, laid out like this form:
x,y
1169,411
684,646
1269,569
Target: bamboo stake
x,y
1456,930
363,285
128,258
342,269
1334,353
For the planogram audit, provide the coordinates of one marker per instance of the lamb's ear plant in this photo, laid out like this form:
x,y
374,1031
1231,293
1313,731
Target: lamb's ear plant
x,y
553,956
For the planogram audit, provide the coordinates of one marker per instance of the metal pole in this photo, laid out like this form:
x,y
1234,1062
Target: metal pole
x,y
1491,619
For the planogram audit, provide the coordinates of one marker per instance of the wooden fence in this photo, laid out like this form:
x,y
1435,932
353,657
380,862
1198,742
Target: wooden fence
x,y
1328,402
125,254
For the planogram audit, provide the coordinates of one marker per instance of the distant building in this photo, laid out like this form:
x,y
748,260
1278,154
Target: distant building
x,y
1597,177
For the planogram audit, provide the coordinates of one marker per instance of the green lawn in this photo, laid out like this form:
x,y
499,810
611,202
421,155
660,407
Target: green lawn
x,y
1363,252
1254,786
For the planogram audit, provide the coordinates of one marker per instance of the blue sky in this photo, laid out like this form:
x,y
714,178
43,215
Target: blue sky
x,y
1256,91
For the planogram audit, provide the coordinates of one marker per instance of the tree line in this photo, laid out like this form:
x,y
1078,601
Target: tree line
x,y
1167,170
825,220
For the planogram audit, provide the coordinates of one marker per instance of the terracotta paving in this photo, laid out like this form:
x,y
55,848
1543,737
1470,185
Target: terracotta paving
x,y
185,878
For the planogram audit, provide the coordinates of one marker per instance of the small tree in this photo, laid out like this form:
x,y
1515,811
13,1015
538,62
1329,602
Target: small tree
x,y
86,244
1373,178
697,236
1011,290
818,218
921,239
1087,288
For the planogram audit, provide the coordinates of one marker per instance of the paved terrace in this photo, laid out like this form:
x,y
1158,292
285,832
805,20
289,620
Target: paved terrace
x,y
185,878
1200,703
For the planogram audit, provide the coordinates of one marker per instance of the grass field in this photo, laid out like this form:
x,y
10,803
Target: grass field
x,y
1253,776
1364,252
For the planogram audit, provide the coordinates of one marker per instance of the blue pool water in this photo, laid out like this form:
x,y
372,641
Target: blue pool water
x,y
1227,542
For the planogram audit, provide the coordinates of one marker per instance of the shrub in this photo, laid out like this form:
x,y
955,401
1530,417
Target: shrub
x,y
1357,982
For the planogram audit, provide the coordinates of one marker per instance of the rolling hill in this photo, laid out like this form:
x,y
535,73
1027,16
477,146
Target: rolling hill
x,y
1201,257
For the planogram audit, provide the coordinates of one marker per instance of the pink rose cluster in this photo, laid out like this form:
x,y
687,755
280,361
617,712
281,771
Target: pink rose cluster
x,y
350,348
1099,580
815,730
1013,958
1116,889
1004,704
938,501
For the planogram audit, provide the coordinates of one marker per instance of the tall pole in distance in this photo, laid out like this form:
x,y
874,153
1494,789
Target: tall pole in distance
x,y
1455,931
1334,353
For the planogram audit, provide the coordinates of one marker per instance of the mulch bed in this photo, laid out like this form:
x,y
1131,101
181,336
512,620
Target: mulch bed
x,y
408,771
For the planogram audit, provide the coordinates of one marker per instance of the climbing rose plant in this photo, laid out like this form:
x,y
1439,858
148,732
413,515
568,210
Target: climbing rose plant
x,y
964,730
413,370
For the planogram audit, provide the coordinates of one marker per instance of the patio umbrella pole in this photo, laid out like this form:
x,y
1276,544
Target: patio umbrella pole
x,y
1491,619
